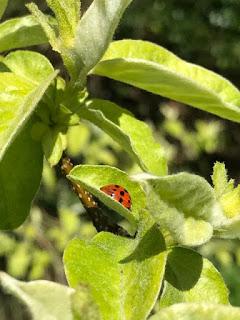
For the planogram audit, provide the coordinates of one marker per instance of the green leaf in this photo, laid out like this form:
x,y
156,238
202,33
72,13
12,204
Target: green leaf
x,y
20,92
3,5
67,52
133,135
155,69
83,304
20,175
21,32
228,196
67,13
43,299
220,180
20,156
191,278
92,178
53,146
45,25
124,275
95,30
31,66
197,311
185,205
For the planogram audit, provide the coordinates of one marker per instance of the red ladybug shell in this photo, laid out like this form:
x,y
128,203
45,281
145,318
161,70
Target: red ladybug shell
x,y
118,193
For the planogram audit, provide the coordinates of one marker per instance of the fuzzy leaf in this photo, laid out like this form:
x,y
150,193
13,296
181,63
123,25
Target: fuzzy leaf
x,y
185,205
67,13
197,311
155,69
133,135
21,32
92,178
95,30
43,299
191,278
220,180
124,275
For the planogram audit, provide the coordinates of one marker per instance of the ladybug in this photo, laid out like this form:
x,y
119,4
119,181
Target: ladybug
x,y
118,193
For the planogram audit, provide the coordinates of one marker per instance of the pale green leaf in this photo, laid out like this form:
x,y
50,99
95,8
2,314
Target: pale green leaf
x,y
20,92
67,13
228,196
191,278
31,66
43,299
197,311
132,134
20,175
220,180
92,178
185,205
124,275
21,32
155,69
95,30
3,5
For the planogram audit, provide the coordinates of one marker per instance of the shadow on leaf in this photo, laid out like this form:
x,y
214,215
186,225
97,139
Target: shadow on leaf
x,y
184,268
151,244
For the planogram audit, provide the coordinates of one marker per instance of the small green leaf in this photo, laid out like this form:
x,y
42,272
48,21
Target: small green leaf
x,y
191,278
43,299
67,13
46,27
67,53
92,178
197,311
155,69
185,205
124,275
20,175
3,6
220,180
133,135
53,146
21,32
95,30
228,196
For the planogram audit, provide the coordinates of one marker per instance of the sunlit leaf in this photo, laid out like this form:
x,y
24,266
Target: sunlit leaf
x,y
95,30
132,134
21,32
185,205
155,69
124,275
197,311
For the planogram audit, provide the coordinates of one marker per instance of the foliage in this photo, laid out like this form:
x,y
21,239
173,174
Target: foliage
x,y
135,261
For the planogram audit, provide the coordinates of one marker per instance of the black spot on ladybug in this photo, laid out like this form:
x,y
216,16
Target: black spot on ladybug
x,y
122,193
128,201
125,190
116,185
121,200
